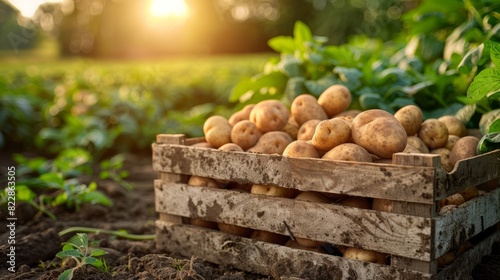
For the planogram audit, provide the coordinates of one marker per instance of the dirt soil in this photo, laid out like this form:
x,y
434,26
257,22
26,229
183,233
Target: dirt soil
x,y
37,240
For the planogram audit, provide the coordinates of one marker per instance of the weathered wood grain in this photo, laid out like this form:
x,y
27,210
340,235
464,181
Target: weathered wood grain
x,y
390,233
465,221
270,259
411,184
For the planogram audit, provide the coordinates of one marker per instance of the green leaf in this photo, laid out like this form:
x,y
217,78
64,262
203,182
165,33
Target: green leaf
x,y
488,143
495,126
495,53
23,193
291,66
369,101
487,119
98,253
295,87
97,197
93,262
247,88
465,113
69,253
67,274
470,59
53,179
486,82
282,44
301,33
351,77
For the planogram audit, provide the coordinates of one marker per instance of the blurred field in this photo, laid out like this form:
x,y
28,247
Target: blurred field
x,y
48,103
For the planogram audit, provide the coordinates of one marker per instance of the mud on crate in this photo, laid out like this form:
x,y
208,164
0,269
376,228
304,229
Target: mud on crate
x,y
415,239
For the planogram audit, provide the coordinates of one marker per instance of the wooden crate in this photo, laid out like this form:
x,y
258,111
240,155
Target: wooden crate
x,y
414,235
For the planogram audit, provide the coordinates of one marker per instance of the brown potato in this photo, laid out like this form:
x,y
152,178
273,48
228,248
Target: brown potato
x,y
245,134
452,140
231,147
347,119
455,199
365,255
273,191
465,147
274,142
294,244
379,132
411,150
331,133
348,152
301,148
445,158
454,125
313,196
243,114
213,121
198,181
219,135
417,143
349,113
269,115
291,127
335,100
410,117
383,205
307,129
470,193
305,107
203,145
434,133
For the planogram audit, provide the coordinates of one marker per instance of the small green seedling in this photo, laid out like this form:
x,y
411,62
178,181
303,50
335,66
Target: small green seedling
x,y
77,248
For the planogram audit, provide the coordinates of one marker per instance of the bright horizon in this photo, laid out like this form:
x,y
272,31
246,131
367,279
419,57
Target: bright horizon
x,y
29,7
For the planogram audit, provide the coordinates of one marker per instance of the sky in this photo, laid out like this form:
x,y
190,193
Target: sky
x,y
28,7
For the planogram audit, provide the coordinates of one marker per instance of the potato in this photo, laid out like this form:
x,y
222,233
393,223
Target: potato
x,y
347,119
307,129
231,147
269,115
313,196
243,114
411,150
217,131
455,199
365,255
273,191
301,148
203,145
269,237
446,259
452,140
384,205
356,201
305,107
379,132
410,117
434,133
446,208
454,125
331,133
445,158
274,142
349,113
294,244
335,100
470,193
348,152
465,147
417,143
291,127
198,181
245,134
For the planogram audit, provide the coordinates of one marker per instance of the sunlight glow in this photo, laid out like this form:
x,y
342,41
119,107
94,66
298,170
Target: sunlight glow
x,y
28,8
168,8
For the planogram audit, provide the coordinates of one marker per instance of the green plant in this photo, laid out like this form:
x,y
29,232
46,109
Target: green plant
x,y
77,248
118,233
113,169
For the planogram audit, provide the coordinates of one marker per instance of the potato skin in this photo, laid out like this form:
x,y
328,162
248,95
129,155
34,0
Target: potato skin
x,y
301,148
217,131
273,142
305,107
434,133
445,158
365,255
348,152
410,117
307,129
452,140
464,148
245,134
335,100
379,132
269,115
418,144
243,114
331,133
454,125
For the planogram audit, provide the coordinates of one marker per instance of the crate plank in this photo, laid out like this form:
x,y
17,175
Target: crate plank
x,y
463,265
465,221
407,236
270,259
402,183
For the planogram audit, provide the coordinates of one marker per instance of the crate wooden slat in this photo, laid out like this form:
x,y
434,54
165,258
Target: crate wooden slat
x,y
384,232
414,235
379,181
265,258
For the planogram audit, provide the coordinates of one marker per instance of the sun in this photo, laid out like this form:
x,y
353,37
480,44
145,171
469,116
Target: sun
x,y
168,8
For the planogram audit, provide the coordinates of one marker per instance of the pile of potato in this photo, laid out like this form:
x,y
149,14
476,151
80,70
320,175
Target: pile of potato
x,y
323,128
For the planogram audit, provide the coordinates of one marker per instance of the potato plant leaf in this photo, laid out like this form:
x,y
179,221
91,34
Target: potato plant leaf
x,y
487,82
488,143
